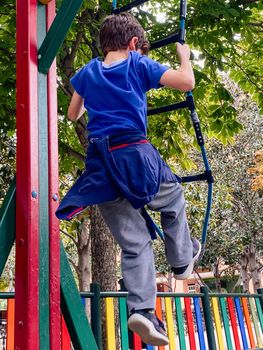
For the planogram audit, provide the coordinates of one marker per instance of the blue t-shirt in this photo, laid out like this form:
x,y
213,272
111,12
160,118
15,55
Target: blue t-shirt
x,y
115,97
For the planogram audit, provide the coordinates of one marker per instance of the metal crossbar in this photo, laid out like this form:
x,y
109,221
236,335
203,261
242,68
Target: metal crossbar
x,y
173,38
129,6
169,108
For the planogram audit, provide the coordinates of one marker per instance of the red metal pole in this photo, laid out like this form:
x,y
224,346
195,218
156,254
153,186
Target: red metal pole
x,y
54,240
27,241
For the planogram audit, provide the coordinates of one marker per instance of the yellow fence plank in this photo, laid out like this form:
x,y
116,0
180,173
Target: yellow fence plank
x,y
110,324
170,322
219,332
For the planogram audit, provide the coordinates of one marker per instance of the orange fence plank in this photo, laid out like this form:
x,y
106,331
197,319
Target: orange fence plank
x,y
248,322
159,314
10,331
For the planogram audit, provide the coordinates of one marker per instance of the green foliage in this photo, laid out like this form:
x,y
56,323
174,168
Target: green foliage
x,y
223,36
3,284
7,64
236,217
7,162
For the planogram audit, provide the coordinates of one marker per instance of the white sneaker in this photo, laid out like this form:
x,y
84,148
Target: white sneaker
x,y
183,272
150,329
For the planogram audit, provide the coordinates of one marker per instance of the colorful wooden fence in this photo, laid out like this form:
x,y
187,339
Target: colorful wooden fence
x,y
193,321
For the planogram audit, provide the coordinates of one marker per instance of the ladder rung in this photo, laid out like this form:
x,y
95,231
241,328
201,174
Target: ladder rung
x,y
206,176
129,6
173,38
169,108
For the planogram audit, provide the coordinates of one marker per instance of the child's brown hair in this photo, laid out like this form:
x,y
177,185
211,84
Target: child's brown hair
x,y
117,30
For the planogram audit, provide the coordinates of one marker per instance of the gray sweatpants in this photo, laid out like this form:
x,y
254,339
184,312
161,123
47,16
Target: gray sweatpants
x,y
129,229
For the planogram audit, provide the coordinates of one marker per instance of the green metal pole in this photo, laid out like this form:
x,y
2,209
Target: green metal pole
x,y
96,313
208,319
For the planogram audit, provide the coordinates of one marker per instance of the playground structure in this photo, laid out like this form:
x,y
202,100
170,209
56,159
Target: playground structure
x,y
45,286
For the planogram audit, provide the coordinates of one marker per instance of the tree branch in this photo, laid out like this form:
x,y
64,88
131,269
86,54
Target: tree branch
x,y
69,236
81,131
71,152
64,89
76,268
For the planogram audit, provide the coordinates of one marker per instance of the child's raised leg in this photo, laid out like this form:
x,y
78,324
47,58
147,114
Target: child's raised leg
x,y
137,262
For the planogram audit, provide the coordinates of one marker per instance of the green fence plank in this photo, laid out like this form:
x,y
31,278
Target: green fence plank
x,y
7,225
57,33
96,314
260,315
180,323
226,323
123,324
72,308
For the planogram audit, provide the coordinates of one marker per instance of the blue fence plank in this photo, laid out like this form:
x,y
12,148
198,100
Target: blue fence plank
x,y
199,323
241,322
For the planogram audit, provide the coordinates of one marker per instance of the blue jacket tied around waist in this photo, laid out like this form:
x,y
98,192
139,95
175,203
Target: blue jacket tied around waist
x,y
123,165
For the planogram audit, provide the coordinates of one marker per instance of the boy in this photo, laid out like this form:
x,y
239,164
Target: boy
x,y
124,171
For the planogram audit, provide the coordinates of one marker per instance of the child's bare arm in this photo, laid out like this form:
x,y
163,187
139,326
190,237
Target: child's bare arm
x,y
182,78
76,107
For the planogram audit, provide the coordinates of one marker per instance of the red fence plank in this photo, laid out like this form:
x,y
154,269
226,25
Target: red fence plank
x,y
190,323
65,337
233,322
137,343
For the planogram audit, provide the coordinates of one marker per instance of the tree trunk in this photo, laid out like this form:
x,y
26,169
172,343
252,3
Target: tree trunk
x,y
218,284
253,267
84,256
103,252
217,276
84,260
244,271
